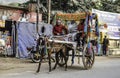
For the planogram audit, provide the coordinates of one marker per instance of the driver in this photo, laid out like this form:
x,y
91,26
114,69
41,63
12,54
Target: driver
x,y
59,28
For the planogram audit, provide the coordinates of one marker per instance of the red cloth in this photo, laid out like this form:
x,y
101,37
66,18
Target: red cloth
x,y
81,28
58,29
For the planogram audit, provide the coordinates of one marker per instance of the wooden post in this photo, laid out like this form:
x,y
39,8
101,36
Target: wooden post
x,y
37,22
49,10
119,38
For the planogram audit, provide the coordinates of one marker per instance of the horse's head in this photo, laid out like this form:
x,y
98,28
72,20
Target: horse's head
x,y
43,29
41,40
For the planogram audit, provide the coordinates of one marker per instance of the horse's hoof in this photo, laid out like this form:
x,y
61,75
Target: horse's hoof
x,y
65,69
71,64
49,70
37,71
53,68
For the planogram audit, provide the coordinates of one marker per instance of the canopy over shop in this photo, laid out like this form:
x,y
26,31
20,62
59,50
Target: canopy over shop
x,y
6,12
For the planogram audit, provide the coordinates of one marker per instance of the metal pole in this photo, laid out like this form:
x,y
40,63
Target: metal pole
x,y
119,38
49,10
37,16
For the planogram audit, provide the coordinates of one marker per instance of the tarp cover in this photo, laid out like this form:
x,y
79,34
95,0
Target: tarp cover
x,y
27,35
26,38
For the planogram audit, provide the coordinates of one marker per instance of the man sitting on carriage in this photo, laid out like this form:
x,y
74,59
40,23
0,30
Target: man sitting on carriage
x,y
59,28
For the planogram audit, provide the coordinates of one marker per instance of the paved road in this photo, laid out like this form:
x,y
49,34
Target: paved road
x,y
104,67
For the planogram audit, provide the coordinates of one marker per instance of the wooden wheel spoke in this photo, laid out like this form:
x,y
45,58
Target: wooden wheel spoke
x,y
88,59
88,63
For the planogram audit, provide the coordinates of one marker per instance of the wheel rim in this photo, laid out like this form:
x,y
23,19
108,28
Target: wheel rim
x,y
35,57
88,58
61,61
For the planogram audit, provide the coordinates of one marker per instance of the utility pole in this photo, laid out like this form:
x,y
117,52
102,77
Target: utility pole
x,y
37,22
119,38
49,10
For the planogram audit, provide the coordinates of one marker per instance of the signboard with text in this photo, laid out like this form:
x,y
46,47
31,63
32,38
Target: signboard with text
x,y
112,20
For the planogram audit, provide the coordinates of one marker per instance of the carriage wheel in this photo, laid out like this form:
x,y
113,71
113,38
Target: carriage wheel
x,y
62,56
88,57
35,57
61,60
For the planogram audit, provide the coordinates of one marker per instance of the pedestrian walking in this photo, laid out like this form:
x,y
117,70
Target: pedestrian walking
x,y
105,45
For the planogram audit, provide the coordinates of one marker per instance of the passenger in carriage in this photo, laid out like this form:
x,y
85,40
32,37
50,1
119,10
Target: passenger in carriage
x,y
72,26
59,28
80,27
80,34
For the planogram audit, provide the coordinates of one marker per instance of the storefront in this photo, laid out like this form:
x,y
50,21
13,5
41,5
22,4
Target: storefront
x,y
6,27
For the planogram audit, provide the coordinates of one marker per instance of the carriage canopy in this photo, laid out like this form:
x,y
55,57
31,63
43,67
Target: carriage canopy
x,y
71,16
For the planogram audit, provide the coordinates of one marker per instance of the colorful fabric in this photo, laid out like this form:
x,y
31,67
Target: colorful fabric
x,y
86,24
97,28
89,47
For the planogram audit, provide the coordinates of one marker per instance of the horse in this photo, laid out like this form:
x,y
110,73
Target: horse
x,y
53,47
60,49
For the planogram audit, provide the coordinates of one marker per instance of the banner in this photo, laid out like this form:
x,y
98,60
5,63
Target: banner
x,y
112,20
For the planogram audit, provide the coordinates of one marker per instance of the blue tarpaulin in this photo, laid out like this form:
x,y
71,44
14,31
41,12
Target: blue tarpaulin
x,y
26,38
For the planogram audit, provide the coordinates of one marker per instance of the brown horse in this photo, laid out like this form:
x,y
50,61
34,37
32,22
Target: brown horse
x,y
57,48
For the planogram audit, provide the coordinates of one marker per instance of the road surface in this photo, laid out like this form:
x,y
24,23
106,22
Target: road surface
x,y
104,67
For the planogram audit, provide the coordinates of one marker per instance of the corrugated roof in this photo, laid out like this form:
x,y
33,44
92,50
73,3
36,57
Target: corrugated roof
x,y
12,7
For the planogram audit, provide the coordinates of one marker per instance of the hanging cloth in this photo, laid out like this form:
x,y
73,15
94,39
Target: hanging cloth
x,y
26,38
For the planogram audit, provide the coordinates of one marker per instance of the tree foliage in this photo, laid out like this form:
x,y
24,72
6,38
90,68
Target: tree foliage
x,y
108,5
71,6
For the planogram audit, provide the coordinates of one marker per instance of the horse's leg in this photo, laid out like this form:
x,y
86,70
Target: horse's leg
x,y
56,58
41,58
49,57
61,56
73,53
53,59
65,58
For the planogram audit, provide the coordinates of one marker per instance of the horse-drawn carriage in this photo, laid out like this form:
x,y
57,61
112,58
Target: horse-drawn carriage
x,y
62,45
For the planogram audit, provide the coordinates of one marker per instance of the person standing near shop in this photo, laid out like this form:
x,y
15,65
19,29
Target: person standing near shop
x,y
105,45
